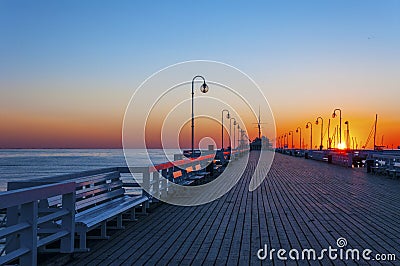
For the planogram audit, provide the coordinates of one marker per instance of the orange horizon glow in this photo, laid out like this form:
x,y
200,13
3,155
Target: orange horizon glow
x,y
41,132
37,132
388,130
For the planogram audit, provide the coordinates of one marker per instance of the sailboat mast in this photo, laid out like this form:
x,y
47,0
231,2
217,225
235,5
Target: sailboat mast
x,y
376,121
259,123
329,137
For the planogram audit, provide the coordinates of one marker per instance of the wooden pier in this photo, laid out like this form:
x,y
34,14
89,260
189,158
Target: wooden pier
x,y
301,204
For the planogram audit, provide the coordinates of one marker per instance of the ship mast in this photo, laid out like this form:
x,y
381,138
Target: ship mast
x,y
259,123
376,121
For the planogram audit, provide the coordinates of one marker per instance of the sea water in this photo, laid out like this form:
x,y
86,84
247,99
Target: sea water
x,y
21,164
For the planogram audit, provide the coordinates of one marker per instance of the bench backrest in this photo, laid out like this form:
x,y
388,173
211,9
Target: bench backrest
x,y
94,190
189,169
177,174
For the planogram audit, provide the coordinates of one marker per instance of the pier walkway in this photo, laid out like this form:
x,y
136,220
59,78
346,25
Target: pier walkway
x,y
301,204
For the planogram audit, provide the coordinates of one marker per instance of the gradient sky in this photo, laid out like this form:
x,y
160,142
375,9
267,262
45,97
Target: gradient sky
x,y
68,68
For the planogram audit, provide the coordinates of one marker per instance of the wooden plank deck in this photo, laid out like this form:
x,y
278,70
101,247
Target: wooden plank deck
x,y
301,204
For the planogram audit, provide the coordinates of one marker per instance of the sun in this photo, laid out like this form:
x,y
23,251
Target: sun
x,y
342,146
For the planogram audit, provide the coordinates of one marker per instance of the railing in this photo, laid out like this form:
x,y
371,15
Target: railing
x,y
337,157
158,179
30,226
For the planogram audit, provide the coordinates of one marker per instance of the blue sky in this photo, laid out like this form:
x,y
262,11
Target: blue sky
x,y
152,34
55,55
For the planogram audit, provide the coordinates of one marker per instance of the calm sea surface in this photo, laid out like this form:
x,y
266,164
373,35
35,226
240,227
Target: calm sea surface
x,y
26,164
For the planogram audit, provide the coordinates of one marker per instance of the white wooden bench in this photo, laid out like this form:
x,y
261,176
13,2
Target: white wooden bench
x,y
181,179
99,199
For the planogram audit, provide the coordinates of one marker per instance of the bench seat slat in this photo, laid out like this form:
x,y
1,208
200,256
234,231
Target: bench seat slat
x,y
196,177
187,182
108,210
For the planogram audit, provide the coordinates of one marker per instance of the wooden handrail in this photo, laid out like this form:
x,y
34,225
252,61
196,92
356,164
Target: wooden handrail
x,y
25,195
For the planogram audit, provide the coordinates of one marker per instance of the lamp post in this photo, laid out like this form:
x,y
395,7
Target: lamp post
x,y
340,123
230,131
238,140
297,131
284,140
279,142
291,133
287,140
309,123
222,123
203,89
242,134
322,130
347,135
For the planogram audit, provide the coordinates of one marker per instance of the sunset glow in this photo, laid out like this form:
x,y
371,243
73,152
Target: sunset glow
x,y
342,146
68,85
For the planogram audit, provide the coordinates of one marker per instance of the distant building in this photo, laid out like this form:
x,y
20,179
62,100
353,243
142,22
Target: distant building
x,y
263,143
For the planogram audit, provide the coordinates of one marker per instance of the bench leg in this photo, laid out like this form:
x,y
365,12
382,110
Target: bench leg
x,y
82,242
144,208
119,223
133,214
103,232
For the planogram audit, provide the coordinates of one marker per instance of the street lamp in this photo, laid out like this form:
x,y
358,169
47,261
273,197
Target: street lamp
x,y
222,123
242,134
230,131
340,123
279,142
291,133
238,134
309,123
297,131
284,140
322,129
347,135
203,89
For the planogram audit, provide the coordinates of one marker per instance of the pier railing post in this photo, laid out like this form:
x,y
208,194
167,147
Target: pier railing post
x,y
164,182
12,219
146,183
156,183
28,237
68,223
